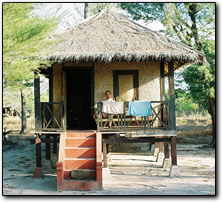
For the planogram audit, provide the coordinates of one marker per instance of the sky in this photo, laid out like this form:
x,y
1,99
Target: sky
x,y
70,13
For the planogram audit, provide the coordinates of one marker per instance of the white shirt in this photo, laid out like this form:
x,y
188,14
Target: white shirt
x,y
108,100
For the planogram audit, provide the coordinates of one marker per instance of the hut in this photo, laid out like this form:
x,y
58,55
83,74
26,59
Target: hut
x,y
107,52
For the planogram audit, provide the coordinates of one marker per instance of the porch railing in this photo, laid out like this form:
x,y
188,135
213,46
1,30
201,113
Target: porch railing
x,y
158,120
53,116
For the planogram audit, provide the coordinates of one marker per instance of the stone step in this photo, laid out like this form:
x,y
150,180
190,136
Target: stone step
x,y
80,174
149,171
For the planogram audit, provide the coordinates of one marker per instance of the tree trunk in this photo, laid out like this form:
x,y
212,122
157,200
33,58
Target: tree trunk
x,y
213,116
23,114
192,11
86,10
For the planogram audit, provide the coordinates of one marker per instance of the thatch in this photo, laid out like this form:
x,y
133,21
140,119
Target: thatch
x,y
108,36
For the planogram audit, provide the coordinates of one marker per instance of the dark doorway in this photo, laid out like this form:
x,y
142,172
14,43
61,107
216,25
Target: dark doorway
x,y
80,99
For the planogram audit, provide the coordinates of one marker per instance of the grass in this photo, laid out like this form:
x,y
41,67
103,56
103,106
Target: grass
x,y
13,123
195,129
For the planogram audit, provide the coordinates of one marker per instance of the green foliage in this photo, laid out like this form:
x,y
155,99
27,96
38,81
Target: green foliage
x,y
201,79
194,25
184,101
24,37
190,23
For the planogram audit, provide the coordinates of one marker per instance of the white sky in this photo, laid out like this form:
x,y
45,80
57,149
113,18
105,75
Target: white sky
x,y
70,13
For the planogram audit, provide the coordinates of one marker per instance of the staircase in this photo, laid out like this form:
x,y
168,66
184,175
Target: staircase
x,y
80,165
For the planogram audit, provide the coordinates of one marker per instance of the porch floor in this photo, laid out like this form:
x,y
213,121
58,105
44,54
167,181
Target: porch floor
x,y
130,133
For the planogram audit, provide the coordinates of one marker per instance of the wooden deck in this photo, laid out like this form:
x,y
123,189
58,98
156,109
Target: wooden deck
x,y
128,133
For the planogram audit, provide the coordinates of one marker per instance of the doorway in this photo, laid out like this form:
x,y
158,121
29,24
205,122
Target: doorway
x,y
80,99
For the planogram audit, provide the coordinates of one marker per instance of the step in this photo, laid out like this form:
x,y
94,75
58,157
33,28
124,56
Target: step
x,y
81,135
67,174
79,185
79,163
86,142
80,152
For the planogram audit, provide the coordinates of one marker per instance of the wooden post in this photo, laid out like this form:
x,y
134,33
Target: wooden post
x,y
162,81
161,147
62,93
51,85
172,118
162,88
99,159
38,152
166,150
173,151
23,118
107,148
104,154
37,103
156,150
47,148
156,144
55,144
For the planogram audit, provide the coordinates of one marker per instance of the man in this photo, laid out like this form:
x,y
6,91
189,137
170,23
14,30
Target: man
x,y
108,96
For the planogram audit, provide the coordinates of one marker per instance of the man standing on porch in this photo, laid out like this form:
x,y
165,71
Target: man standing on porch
x,y
108,96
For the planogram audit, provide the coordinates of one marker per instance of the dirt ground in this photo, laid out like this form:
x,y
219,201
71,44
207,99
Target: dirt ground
x,y
131,174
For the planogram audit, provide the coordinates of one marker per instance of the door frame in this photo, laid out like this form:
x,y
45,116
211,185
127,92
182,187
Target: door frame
x,y
92,80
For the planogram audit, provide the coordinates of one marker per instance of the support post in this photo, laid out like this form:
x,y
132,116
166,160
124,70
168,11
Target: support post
x,y
107,148
162,88
161,147
156,150
38,152
166,162
37,103
174,151
104,154
160,156
166,150
172,117
47,149
55,144
174,170
38,170
99,160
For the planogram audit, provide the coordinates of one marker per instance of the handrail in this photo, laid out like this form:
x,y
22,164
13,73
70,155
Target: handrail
x,y
53,116
160,117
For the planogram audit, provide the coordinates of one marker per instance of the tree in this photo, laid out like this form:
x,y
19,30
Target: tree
x,y
201,83
94,8
86,10
194,25
24,38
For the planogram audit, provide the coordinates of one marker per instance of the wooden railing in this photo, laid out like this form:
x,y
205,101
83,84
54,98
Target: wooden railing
x,y
121,122
53,116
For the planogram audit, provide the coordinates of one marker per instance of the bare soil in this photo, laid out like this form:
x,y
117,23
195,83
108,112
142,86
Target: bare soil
x,y
137,174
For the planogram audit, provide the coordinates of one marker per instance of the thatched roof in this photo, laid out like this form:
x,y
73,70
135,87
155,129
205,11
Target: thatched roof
x,y
108,36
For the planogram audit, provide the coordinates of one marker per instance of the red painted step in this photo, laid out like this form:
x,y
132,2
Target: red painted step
x,y
80,152
79,164
83,142
81,135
